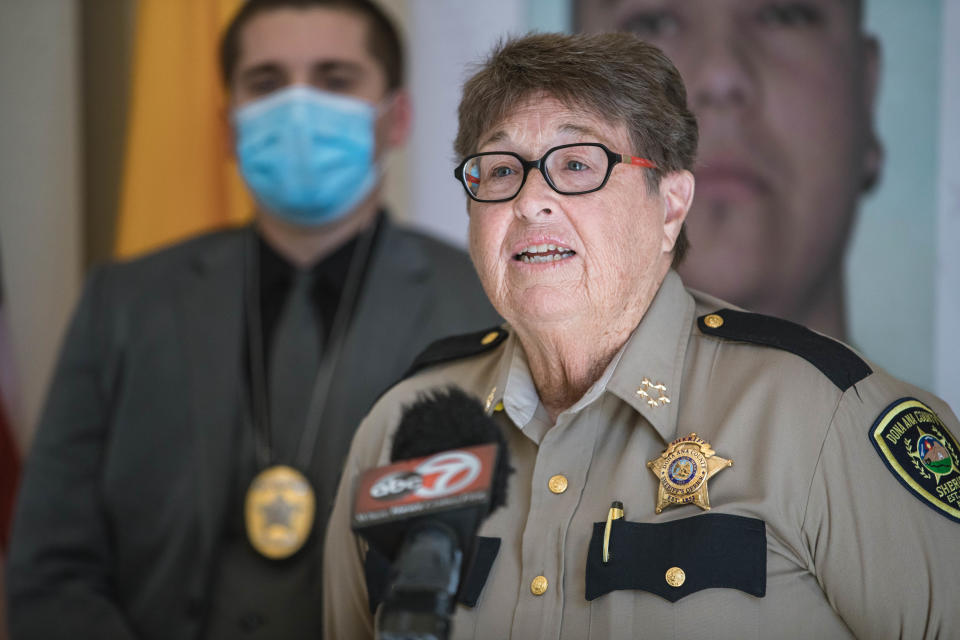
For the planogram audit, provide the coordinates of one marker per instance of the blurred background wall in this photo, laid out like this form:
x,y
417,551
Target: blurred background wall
x,y
892,256
947,298
41,190
65,69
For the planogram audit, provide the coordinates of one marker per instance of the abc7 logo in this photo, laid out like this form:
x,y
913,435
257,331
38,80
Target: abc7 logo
x,y
440,475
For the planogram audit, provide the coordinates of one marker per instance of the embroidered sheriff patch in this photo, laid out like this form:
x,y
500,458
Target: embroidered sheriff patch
x,y
917,447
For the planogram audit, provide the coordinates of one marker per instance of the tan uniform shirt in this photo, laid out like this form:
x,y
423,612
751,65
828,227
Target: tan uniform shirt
x,y
848,551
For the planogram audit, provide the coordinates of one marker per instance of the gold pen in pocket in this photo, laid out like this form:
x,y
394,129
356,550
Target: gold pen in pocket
x,y
615,513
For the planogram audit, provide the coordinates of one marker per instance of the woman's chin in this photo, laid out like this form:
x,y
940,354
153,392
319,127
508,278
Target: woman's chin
x,y
542,308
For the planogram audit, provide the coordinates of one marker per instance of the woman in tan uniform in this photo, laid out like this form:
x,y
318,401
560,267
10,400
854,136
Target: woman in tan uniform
x,y
772,482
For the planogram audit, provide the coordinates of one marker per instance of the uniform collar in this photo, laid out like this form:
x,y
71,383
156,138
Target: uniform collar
x,y
518,394
655,352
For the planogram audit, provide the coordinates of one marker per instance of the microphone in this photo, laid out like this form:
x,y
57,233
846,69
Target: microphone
x,y
422,513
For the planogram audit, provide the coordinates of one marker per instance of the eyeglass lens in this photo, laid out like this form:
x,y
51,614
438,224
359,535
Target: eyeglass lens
x,y
571,170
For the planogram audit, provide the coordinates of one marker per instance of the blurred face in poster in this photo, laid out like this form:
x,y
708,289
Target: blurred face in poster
x,y
783,91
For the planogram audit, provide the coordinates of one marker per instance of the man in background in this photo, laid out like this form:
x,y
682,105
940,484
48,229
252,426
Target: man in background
x,y
191,443
784,95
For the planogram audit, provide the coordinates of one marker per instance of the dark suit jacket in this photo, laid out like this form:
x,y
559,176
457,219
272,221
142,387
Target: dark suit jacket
x,y
126,487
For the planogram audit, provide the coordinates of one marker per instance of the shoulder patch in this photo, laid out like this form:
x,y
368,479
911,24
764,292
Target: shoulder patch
x,y
456,347
921,452
833,359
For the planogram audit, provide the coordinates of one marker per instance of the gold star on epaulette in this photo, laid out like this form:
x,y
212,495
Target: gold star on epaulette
x,y
684,469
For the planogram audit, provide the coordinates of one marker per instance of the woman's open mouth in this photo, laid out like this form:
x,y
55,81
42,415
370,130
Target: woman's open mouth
x,y
538,253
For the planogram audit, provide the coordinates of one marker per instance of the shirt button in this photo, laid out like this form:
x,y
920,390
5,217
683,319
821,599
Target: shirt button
x,y
539,586
557,484
490,337
676,577
713,321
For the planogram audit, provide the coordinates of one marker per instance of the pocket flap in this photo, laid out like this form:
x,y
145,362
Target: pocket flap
x,y
484,554
714,550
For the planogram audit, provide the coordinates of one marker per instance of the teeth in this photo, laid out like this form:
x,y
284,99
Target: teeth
x,y
535,259
537,253
539,248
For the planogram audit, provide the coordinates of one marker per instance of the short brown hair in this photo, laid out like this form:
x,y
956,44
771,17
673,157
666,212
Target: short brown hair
x,y
383,41
616,76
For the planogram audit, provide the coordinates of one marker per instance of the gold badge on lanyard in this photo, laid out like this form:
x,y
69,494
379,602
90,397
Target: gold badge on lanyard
x,y
684,469
279,511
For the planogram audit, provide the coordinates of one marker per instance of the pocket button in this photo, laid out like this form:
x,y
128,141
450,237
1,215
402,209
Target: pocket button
x,y
676,577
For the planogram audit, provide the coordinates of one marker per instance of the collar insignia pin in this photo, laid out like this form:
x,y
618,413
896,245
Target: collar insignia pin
x,y
684,469
646,390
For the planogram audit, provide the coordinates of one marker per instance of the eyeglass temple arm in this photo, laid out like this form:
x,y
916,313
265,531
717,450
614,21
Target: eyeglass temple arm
x,y
634,160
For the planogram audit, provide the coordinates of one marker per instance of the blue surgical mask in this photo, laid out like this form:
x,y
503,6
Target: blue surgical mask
x,y
307,155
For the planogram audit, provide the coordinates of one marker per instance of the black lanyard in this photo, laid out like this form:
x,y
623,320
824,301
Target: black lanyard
x,y
259,405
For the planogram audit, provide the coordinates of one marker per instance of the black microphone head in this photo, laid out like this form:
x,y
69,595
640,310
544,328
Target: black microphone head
x,y
447,419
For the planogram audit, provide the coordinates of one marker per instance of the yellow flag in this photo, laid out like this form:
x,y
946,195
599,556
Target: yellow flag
x,y
179,177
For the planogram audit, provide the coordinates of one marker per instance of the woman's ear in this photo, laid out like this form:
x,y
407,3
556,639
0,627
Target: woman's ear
x,y
676,189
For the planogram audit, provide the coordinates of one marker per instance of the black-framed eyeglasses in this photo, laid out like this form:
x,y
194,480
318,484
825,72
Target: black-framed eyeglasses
x,y
569,169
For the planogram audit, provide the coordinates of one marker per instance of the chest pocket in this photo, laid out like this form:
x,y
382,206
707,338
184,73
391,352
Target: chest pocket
x,y
714,550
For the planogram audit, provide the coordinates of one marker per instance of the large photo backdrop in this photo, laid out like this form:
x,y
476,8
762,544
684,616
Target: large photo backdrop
x,y
818,181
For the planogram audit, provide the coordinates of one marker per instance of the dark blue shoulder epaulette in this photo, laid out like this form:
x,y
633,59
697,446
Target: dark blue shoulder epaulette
x,y
844,367
456,347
